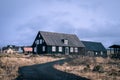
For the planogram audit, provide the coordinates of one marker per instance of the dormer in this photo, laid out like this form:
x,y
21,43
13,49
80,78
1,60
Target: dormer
x,y
65,41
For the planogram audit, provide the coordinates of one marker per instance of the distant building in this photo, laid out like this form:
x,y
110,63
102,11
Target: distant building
x,y
114,49
0,50
27,49
10,49
20,49
94,49
53,43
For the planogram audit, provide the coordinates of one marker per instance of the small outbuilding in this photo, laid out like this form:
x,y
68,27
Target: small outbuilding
x,y
10,49
27,49
94,49
115,51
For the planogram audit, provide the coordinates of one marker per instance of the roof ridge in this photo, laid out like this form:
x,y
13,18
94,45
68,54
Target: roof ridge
x,y
57,33
90,41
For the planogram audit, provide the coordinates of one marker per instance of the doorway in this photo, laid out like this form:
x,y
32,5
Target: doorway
x,y
67,50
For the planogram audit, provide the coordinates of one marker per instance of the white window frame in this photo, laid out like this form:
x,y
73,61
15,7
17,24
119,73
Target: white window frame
x,y
53,48
39,35
71,49
43,48
35,49
40,41
96,53
76,49
101,53
37,42
66,42
60,49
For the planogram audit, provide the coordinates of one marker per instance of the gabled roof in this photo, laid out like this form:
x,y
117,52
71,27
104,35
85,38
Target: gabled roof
x,y
10,47
55,39
115,46
93,46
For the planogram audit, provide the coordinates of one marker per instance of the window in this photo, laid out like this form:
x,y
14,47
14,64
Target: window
x,y
60,49
35,49
96,53
66,42
53,48
76,50
101,53
40,41
37,41
71,49
39,36
43,48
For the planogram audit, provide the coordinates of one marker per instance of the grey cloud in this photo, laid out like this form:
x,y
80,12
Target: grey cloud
x,y
90,20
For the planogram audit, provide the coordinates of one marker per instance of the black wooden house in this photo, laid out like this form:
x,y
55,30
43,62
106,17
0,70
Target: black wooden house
x,y
50,43
94,49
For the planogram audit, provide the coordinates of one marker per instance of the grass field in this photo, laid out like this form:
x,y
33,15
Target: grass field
x,y
10,63
90,67
93,68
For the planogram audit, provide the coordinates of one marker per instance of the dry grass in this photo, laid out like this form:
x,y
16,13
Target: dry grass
x,y
83,66
9,63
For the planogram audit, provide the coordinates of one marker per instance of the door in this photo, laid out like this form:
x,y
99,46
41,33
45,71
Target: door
x,y
67,50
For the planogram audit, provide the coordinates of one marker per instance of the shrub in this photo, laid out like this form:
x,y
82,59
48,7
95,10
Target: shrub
x,y
114,72
98,68
87,68
115,56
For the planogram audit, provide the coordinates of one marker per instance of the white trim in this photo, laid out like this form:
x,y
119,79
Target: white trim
x,y
39,35
43,48
40,41
96,53
37,42
66,42
60,49
101,53
53,48
35,49
71,49
76,49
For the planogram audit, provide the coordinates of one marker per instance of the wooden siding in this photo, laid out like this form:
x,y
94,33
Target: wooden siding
x,y
48,48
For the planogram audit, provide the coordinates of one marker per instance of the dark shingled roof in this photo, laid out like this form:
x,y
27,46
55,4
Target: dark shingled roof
x,y
94,46
56,39
115,46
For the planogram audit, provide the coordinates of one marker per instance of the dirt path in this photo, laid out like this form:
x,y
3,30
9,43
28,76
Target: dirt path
x,y
46,72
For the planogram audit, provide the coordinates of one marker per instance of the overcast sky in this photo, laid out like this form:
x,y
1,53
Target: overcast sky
x,y
93,20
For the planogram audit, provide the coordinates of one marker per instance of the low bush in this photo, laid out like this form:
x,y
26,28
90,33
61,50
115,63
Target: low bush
x,y
98,68
115,56
114,72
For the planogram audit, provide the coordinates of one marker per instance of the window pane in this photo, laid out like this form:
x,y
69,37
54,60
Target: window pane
x,y
76,49
65,41
96,53
39,36
60,49
71,49
53,48
40,41
101,53
43,48
37,41
35,49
